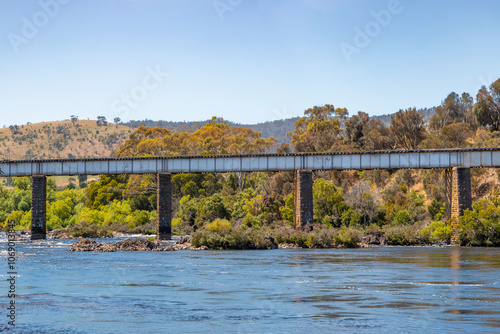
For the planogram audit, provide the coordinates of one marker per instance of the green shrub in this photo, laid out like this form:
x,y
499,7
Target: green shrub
x,y
348,237
222,225
436,208
321,237
481,225
350,217
402,235
436,232
402,217
87,230
235,238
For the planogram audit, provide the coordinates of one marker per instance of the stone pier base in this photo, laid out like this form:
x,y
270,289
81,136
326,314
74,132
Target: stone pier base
x,y
164,207
458,191
302,198
38,207
461,198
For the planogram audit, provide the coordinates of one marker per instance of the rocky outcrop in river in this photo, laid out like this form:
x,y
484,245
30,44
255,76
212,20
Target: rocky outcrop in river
x,y
135,244
59,234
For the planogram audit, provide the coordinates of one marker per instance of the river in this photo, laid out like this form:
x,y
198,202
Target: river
x,y
369,290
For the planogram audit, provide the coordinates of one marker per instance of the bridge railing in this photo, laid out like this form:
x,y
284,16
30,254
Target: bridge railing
x,y
483,157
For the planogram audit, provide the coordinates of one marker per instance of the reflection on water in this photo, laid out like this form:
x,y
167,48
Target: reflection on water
x,y
380,289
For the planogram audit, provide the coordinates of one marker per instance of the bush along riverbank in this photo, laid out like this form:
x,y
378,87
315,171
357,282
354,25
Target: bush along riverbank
x,y
220,235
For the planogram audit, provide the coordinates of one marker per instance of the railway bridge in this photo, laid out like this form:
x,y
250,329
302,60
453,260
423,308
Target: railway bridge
x,y
456,162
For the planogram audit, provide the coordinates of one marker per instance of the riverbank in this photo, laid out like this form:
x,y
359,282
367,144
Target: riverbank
x,y
222,237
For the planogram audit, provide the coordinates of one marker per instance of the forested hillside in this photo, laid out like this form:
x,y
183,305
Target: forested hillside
x,y
277,129
253,210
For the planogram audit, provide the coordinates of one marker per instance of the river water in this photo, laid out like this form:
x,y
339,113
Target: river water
x,y
370,290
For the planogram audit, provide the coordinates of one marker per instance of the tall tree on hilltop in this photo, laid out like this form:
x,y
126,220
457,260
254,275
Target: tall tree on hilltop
x,y
320,130
379,134
454,109
408,128
354,126
487,107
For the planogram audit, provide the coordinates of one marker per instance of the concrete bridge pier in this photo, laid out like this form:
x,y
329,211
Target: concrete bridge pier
x,y
302,198
461,191
164,207
458,189
38,207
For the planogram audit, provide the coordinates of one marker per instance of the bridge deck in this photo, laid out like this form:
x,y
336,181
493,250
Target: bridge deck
x,y
443,158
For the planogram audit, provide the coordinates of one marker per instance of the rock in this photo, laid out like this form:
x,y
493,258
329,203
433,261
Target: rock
x,y
183,240
84,245
136,244
106,247
60,234
375,238
273,244
188,247
288,246
166,249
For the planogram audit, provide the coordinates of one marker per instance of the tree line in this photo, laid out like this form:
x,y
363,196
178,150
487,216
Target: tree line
x,y
246,210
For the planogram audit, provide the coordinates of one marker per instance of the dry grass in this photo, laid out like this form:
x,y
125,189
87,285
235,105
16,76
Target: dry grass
x,y
61,139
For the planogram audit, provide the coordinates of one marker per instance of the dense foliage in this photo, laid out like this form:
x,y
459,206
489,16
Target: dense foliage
x,y
255,210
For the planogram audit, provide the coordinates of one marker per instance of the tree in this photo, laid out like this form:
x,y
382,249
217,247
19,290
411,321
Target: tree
x,y
216,137
320,130
328,202
455,134
408,128
487,107
354,129
379,134
101,121
74,119
454,109
361,199
117,120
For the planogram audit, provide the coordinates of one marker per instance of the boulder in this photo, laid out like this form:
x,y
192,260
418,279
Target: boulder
x,y
84,245
375,238
60,234
272,243
288,246
107,247
136,244
183,240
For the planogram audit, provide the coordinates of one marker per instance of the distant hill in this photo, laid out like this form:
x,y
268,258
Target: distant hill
x,y
428,112
277,129
61,139
87,139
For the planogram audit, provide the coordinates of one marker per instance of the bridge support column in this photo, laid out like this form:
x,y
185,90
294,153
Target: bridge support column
x,y
448,182
38,207
164,207
461,198
302,198
458,191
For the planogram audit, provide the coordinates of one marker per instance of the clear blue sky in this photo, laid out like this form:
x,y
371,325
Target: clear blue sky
x,y
245,60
